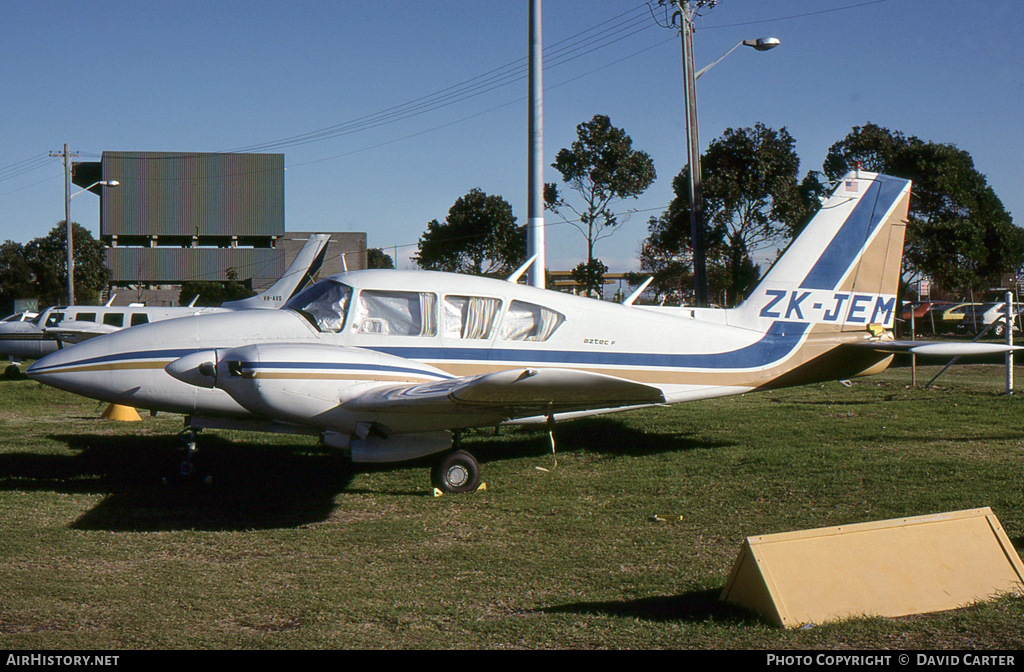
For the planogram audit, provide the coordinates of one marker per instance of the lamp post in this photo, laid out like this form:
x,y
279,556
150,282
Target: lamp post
x,y
700,284
70,244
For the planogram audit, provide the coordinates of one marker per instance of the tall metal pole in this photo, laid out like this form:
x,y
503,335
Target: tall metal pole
x,y
535,202
700,286
1011,320
67,221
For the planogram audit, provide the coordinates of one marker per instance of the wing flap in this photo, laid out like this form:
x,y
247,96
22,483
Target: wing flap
x,y
515,390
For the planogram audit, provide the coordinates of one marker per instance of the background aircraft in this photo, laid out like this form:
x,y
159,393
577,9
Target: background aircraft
x,y
387,365
55,327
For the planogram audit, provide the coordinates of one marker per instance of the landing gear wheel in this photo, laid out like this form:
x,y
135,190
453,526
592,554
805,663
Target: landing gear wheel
x,y
999,330
457,471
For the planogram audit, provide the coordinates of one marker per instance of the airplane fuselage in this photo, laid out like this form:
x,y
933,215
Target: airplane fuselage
x,y
679,351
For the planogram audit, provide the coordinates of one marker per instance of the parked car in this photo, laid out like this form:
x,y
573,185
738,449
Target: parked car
x,y
950,318
976,318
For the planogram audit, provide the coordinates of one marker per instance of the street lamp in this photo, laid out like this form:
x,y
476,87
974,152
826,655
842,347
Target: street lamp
x,y
700,285
70,245
760,44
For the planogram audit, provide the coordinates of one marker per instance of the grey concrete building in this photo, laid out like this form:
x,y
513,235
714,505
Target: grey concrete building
x,y
180,216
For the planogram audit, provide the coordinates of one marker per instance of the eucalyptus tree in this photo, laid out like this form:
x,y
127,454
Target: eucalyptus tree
x,y
602,167
479,237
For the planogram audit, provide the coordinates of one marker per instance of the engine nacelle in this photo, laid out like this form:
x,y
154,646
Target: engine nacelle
x,y
303,384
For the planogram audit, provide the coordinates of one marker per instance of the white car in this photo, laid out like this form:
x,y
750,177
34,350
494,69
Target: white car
x,y
980,316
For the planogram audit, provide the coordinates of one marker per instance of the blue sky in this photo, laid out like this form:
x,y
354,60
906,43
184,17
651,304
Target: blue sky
x,y
229,75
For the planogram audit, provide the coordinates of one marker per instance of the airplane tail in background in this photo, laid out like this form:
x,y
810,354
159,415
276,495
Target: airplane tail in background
x,y
300,273
843,269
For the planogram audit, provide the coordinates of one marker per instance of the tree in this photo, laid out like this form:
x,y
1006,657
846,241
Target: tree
x,y
752,202
213,293
376,258
479,237
591,275
15,274
603,168
958,234
47,258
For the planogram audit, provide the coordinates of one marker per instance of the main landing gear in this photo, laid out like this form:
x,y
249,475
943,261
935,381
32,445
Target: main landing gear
x,y
457,471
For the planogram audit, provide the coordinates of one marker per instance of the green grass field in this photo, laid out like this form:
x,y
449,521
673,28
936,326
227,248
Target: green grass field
x,y
289,547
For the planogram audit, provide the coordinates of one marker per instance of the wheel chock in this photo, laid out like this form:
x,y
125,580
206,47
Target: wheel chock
x,y
120,413
482,486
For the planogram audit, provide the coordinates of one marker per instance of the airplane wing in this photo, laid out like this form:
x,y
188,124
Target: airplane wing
x,y
76,331
936,348
516,390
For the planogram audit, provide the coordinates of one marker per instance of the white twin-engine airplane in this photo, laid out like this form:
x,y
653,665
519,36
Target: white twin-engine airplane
x,y
386,365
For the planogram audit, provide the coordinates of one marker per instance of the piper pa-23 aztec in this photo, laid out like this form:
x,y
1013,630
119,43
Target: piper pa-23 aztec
x,y
386,364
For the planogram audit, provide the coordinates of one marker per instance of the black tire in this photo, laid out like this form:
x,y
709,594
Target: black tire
x,y
999,329
457,471
12,372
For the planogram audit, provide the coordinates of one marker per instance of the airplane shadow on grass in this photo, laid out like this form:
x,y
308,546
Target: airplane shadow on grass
x,y
607,436
254,487
266,485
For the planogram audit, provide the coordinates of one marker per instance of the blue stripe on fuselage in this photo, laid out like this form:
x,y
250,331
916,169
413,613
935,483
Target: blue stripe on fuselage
x,y
779,342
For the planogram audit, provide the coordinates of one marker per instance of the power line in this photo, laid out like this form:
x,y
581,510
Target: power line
x,y
560,53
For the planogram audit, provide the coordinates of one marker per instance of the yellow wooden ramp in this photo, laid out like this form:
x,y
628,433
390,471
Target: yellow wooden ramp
x,y
885,568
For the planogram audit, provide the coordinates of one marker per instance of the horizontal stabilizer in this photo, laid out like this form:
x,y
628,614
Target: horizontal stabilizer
x,y
514,389
937,348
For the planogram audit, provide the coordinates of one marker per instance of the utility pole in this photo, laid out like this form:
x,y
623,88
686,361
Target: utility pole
x,y
67,219
700,285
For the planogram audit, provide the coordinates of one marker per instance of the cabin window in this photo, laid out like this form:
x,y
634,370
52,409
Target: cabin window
x,y
325,305
139,318
86,317
396,313
529,322
469,316
114,319
52,319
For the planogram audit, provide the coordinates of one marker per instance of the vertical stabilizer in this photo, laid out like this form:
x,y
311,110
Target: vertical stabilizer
x,y
299,273
844,267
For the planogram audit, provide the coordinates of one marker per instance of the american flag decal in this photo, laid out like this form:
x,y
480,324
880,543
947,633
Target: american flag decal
x,y
851,185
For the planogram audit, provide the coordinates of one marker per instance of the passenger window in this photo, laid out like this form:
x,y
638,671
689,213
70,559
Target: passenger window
x,y
396,313
325,304
529,322
139,318
114,319
470,316
86,317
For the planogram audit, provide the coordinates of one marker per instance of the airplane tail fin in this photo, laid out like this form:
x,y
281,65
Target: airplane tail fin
x,y
842,271
299,273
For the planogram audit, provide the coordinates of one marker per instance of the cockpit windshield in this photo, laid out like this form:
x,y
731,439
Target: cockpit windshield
x,y
325,304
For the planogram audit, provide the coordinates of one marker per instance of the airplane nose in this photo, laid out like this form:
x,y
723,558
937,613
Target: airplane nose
x,y
52,370
198,368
